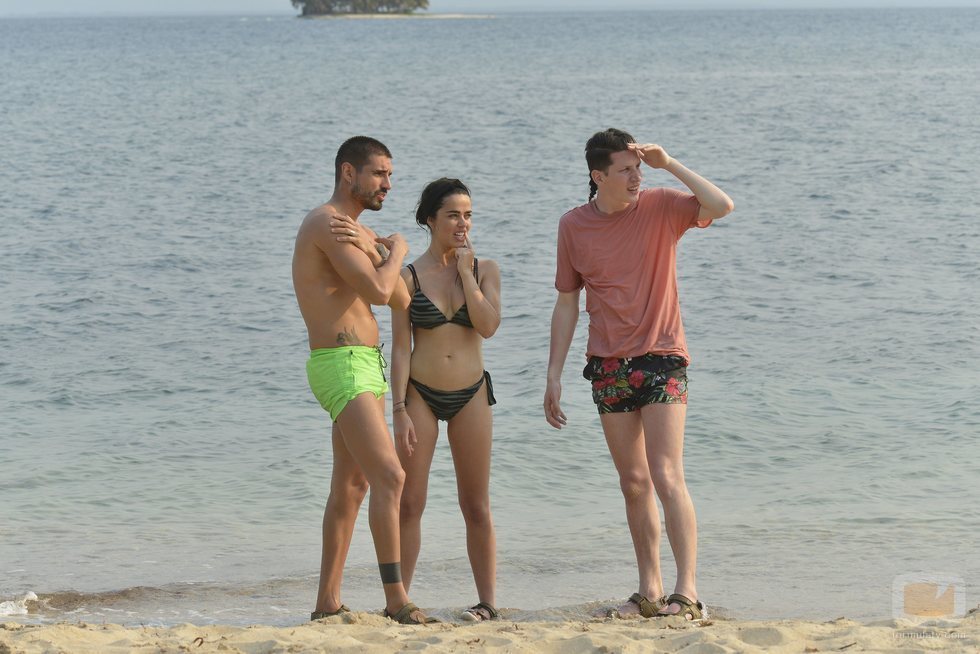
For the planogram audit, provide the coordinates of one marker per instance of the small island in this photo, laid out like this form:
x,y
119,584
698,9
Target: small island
x,y
312,8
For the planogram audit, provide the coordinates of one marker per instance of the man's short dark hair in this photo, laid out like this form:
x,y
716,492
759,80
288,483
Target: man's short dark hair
x,y
600,148
356,151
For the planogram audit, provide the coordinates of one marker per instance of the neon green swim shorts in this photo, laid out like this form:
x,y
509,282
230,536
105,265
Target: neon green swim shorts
x,y
339,374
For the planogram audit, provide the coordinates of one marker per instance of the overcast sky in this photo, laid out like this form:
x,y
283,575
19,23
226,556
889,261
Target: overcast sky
x,y
283,7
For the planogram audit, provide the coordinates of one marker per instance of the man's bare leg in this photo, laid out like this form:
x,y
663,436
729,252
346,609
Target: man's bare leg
x,y
416,490
365,433
347,489
470,438
663,425
624,436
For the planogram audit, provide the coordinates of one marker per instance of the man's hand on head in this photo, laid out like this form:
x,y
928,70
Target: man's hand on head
x,y
651,154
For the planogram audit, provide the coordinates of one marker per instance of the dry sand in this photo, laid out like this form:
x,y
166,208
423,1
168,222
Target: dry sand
x,y
365,632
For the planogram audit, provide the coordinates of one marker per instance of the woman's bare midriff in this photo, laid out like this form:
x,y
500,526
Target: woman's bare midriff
x,y
448,357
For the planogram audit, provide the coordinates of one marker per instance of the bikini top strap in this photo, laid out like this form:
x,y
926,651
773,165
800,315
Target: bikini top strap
x,y
415,278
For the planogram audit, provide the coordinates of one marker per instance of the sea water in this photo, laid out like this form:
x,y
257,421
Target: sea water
x,y
162,459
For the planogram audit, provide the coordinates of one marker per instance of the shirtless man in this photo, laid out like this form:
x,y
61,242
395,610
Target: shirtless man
x,y
338,273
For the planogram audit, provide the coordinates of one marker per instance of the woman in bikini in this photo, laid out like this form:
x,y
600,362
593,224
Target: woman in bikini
x,y
437,374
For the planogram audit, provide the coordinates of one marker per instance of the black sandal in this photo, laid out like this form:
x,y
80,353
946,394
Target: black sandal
x,y
480,612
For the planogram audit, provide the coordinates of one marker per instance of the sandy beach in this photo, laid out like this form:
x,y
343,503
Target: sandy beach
x,y
366,632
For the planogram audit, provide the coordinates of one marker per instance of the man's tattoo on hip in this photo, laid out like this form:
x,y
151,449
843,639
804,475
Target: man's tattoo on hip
x,y
348,337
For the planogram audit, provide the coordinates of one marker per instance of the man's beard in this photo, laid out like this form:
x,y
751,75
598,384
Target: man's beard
x,y
368,200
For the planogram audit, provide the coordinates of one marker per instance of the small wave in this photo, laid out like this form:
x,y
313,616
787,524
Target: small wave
x,y
69,305
17,607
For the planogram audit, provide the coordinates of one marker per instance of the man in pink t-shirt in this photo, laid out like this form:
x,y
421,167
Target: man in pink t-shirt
x,y
622,247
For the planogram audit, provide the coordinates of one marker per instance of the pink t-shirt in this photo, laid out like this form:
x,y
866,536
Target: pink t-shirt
x,y
626,261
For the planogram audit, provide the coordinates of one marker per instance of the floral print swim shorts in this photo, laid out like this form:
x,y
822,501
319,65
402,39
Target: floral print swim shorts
x,y
623,385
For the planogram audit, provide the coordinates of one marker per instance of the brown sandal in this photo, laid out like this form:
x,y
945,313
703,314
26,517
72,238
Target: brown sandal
x,y
316,615
692,611
648,609
404,615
